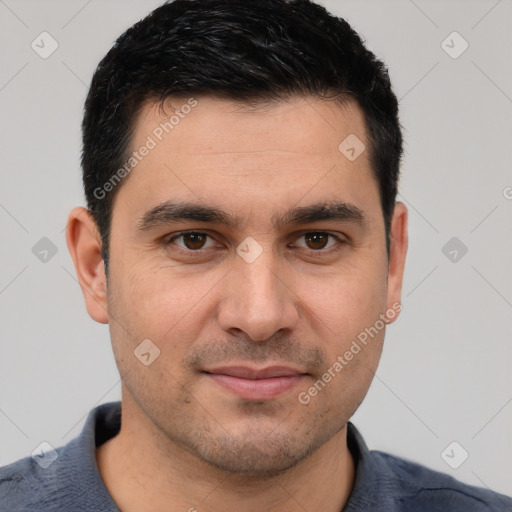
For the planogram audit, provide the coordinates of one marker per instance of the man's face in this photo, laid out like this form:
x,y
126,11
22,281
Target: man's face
x,y
231,302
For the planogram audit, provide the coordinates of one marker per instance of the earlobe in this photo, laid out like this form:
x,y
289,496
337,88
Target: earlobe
x,y
399,241
84,245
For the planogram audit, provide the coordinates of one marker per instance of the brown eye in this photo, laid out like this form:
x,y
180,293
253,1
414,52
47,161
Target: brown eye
x,y
193,241
319,240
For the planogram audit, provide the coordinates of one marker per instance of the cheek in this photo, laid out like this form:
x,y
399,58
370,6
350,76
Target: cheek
x,y
156,302
349,303
146,308
352,335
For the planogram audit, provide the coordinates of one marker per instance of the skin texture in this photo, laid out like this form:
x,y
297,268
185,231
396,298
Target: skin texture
x,y
185,441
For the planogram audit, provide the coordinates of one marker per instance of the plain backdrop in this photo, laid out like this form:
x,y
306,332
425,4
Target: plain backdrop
x,y
446,370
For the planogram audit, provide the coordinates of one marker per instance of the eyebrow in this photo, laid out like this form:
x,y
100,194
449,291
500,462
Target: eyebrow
x,y
169,212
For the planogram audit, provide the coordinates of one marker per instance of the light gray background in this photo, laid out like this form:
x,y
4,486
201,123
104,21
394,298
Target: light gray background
x,y
445,374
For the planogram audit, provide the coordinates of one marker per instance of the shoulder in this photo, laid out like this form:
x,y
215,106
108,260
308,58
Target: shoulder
x,y
64,478
65,484
423,488
24,485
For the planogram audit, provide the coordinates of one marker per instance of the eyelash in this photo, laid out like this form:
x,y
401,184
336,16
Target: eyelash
x,y
169,241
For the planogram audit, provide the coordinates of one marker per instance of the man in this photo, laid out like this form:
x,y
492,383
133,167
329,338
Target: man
x,y
244,244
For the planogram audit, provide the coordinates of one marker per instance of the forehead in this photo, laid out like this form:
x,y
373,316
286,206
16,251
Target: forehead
x,y
226,152
305,125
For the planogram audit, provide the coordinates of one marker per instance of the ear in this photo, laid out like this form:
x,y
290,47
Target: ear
x,y
399,240
84,245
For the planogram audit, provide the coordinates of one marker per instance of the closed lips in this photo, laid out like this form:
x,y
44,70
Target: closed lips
x,y
243,372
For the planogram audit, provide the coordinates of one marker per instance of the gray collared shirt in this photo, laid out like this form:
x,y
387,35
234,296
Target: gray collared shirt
x,y
68,478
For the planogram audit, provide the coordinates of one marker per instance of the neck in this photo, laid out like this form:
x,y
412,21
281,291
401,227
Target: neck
x,y
151,472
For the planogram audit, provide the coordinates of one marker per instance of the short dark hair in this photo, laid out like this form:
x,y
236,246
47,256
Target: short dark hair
x,y
241,50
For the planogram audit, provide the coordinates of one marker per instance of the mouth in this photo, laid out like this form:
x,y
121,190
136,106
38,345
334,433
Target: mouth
x,y
254,384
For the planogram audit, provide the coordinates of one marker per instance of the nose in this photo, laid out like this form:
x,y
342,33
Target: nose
x,y
258,299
